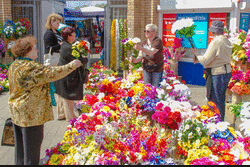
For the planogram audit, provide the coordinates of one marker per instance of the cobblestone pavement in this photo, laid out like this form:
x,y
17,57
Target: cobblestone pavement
x,y
54,130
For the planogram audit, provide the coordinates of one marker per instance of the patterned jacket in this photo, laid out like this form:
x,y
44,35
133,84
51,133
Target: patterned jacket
x,y
29,101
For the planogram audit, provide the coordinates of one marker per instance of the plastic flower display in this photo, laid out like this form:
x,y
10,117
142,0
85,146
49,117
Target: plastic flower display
x,y
128,44
9,29
83,47
25,23
20,30
239,82
115,128
4,83
241,45
176,52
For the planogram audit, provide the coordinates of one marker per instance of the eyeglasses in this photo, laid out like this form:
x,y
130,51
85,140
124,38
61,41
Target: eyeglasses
x,y
147,31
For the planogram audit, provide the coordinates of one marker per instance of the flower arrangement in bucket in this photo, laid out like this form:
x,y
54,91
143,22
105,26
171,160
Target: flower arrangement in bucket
x,y
22,27
185,28
176,52
9,28
241,47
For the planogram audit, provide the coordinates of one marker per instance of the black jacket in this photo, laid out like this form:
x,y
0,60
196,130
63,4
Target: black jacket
x,y
50,40
71,86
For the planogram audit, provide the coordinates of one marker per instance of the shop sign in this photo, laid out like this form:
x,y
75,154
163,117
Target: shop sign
x,y
216,16
201,33
167,36
244,21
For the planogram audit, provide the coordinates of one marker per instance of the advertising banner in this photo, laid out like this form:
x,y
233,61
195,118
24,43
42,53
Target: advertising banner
x,y
216,16
201,30
167,36
244,21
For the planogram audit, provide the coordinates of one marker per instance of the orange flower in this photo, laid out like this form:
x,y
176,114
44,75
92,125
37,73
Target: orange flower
x,y
237,89
205,107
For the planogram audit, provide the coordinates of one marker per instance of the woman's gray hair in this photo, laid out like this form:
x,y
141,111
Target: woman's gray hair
x,y
152,26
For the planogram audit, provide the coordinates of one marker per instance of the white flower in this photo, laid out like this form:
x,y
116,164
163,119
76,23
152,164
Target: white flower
x,y
100,96
211,128
246,163
190,135
245,126
18,28
160,93
188,22
164,83
20,33
187,127
222,126
136,40
180,24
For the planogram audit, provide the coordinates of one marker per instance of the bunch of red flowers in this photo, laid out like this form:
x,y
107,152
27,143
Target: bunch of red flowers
x,y
164,116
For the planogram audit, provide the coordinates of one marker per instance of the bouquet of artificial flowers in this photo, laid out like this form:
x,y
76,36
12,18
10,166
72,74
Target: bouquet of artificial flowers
x,y
83,47
176,52
9,29
129,46
241,44
20,30
25,23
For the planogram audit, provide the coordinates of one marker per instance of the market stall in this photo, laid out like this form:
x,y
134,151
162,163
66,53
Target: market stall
x,y
202,14
124,122
83,20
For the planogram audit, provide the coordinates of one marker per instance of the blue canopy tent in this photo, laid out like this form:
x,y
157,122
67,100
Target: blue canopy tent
x,y
83,13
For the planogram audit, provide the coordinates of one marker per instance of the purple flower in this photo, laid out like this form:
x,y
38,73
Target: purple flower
x,y
124,40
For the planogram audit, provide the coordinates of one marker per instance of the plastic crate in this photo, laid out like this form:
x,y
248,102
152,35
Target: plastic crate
x,y
191,73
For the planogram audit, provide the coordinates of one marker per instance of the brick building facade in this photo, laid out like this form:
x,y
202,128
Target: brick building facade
x,y
139,14
5,14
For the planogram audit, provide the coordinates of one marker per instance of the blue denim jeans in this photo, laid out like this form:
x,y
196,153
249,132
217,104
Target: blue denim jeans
x,y
218,94
153,78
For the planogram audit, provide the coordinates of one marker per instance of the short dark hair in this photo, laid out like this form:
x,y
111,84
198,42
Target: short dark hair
x,y
66,32
23,46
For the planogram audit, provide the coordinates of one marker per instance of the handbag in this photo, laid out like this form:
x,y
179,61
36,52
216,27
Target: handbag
x,y
8,134
51,59
152,68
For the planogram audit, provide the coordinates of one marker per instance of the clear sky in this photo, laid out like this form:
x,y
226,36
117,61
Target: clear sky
x,y
73,4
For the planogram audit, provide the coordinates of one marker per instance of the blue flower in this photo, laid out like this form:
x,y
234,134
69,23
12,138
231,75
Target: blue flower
x,y
216,134
230,138
224,134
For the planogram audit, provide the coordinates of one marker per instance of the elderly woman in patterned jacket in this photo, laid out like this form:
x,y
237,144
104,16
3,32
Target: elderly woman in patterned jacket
x,y
29,102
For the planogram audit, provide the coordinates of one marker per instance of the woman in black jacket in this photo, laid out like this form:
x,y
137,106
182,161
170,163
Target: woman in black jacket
x,y
69,88
52,37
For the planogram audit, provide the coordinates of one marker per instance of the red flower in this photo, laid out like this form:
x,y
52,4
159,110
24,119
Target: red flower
x,y
91,99
131,93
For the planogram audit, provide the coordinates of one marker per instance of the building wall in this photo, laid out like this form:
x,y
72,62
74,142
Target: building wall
x,y
141,13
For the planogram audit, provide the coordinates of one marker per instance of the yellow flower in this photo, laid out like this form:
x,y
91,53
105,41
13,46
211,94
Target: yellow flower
x,y
232,131
105,81
106,108
75,54
65,147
